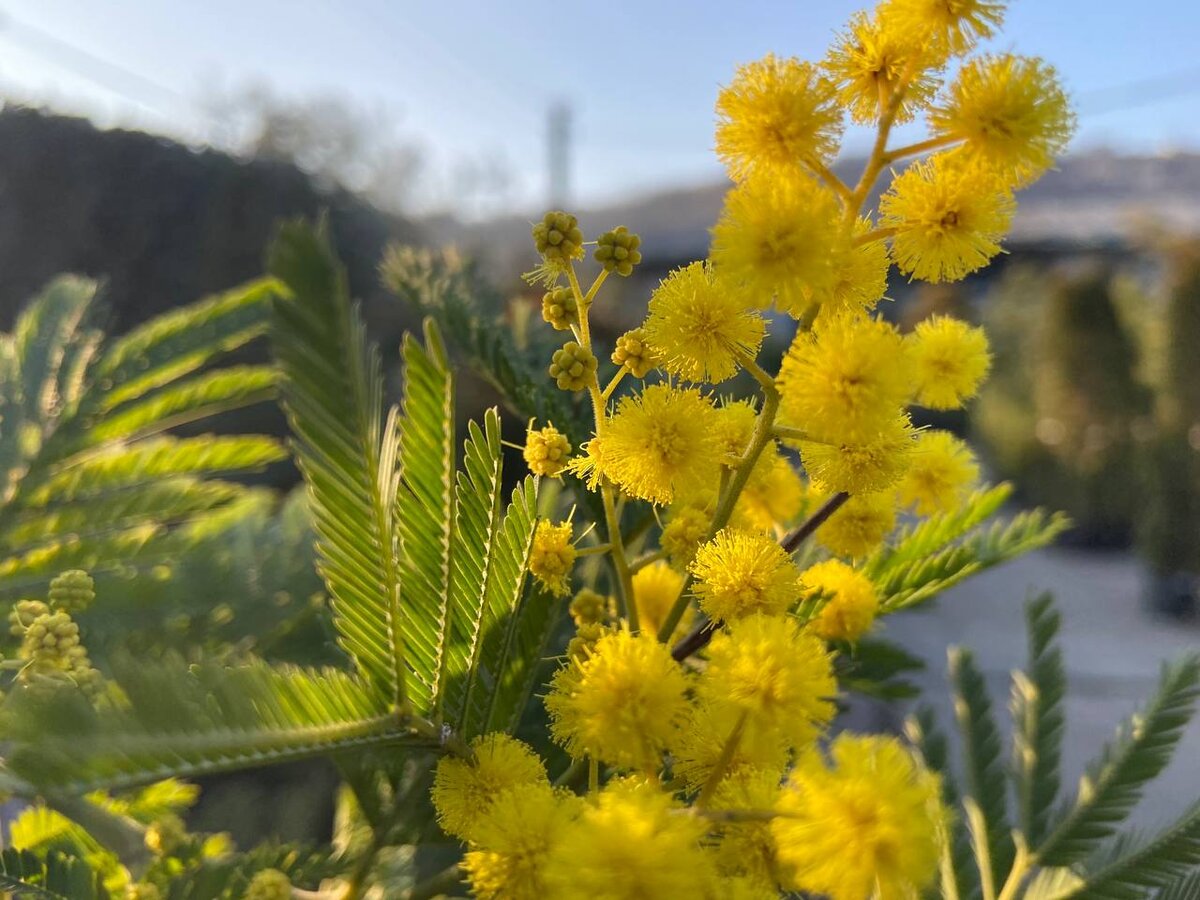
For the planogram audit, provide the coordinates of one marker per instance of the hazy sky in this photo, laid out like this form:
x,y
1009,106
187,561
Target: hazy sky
x,y
473,79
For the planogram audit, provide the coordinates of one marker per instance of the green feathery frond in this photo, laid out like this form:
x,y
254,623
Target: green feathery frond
x,y
226,877
909,583
1157,862
57,877
333,394
183,721
958,877
1113,783
985,798
1037,713
490,553
425,512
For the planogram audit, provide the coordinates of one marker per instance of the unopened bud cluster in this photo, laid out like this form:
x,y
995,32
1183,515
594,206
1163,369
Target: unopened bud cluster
x,y
573,367
617,250
633,352
558,238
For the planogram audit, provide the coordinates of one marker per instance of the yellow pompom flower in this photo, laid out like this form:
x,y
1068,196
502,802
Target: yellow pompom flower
x,y
1011,113
775,240
777,114
860,525
553,556
735,424
773,496
942,471
866,826
868,61
686,529
952,25
851,600
948,217
661,442
845,380
656,587
876,463
546,451
516,835
622,705
699,328
464,790
748,848
631,844
739,573
860,274
781,679
950,360
703,738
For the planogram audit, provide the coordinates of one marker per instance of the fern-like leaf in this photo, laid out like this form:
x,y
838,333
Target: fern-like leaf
x,y
333,395
185,721
986,787
1037,712
1113,783
56,877
1159,862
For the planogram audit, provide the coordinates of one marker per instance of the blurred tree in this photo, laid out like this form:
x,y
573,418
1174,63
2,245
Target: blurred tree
x,y
1170,522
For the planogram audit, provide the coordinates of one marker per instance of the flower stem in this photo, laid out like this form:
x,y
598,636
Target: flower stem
x,y
721,768
436,885
933,143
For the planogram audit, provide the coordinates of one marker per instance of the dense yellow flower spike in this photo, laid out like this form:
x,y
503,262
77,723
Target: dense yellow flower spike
x,y
699,327
875,806
776,113
739,573
702,674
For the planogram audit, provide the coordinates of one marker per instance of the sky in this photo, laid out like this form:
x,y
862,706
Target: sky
x,y
472,80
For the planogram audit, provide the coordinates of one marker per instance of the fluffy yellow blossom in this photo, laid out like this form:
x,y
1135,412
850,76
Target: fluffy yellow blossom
x,y
776,239
630,845
661,442
778,677
866,826
942,471
703,738
735,424
851,600
635,353
699,328
950,361
773,496
876,463
622,705
1012,114
860,525
553,556
860,274
953,25
868,61
515,837
748,848
546,451
845,380
463,791
948,217
739,573
656,587
777,114
685,530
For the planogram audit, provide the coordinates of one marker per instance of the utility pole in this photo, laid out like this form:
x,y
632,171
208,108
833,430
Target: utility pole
x,y
558,153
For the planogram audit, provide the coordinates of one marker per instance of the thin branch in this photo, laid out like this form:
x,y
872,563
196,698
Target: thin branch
x,y
792,542
933,143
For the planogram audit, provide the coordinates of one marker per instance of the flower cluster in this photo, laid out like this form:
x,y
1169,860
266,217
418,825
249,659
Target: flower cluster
x,y
697,693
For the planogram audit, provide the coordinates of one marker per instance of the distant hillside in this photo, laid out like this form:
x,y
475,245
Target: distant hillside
x,y
1092,200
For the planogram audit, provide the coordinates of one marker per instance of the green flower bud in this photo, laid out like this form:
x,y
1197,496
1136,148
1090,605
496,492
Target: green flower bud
x,y
49,641
546,451
73,591
558,238
23,613
269,884
573,367
634,353
166,835
588,608
617,250
559,308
